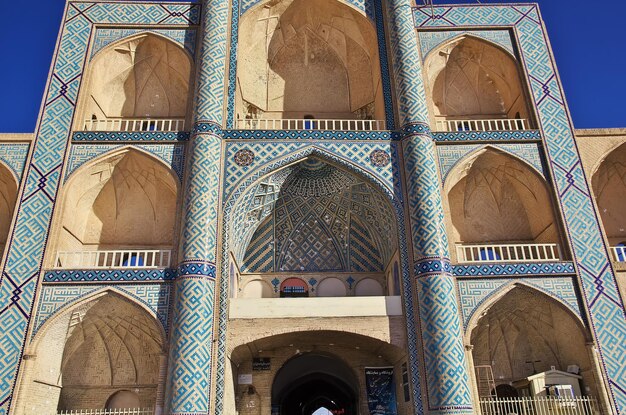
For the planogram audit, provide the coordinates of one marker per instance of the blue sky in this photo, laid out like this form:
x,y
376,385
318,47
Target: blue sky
x,y
588,39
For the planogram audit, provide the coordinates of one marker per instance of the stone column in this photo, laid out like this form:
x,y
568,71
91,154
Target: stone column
x,y
191,365
447,386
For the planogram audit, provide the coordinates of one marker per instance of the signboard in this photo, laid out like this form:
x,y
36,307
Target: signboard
x,y
245,379
261,363
381,391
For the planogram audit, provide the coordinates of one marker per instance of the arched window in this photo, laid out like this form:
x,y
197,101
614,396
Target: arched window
x,y
294,287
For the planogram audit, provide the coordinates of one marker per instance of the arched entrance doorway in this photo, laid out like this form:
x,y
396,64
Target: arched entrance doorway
x,y
312,382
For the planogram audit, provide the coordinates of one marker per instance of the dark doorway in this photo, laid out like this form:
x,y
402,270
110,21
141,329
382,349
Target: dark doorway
x,y
312,381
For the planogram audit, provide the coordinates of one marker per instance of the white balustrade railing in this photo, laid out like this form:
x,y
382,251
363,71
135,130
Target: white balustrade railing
x,y
619,253
497,124
507,253
127,411
540,405
135,258
312,124
135,124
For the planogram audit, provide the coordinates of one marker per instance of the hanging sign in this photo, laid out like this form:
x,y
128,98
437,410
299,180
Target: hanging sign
x,y
381,391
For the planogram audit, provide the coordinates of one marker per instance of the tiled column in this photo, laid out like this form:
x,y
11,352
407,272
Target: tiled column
x,y
447,386
191,364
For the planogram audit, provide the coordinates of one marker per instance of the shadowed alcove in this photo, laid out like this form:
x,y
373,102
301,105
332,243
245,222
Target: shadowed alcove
x,y
609,188
308,59
146,77
123,201
470,78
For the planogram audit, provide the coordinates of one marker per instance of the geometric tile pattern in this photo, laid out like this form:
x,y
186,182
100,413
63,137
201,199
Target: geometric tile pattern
x,y
354,153
447,380
189,374
362,5
25,247
473,293
537,268
430,40
130,136
457,136
209,106
444,355
449,155
201,198
426,213
314,225
13,155
55,297
107,275
597,279
172,154
104,36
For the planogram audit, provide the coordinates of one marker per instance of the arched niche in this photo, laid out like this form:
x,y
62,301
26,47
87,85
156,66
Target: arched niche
x,y
470,78
494,197
331,287
308,59
94,355
368,287
524,331
609,189
8,198
313,219
144,77
124,200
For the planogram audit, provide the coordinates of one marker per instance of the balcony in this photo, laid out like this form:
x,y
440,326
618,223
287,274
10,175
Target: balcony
x,y
507,253
310,124
540,405
494,124
135,124
118,259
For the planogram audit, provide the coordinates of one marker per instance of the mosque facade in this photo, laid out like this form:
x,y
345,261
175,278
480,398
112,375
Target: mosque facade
x,y
310,207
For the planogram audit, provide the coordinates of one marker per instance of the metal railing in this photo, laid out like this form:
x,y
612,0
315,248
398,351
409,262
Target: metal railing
x,y
135,124
135,258
619,253
508,253
312,124
540,405
496,124
126,411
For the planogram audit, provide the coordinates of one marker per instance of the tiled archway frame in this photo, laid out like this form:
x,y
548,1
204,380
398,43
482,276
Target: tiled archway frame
x,y
272,156
596,275
474,292
26,244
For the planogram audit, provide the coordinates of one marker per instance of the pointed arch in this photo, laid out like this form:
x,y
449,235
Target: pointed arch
x,y
318,58
76,303
134,36
142,76
467,35
495,296
608,182
126,197
466,159
93,347
495,196
469,77
235,211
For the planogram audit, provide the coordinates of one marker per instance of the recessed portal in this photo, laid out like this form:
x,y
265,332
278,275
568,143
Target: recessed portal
x,y
314,384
